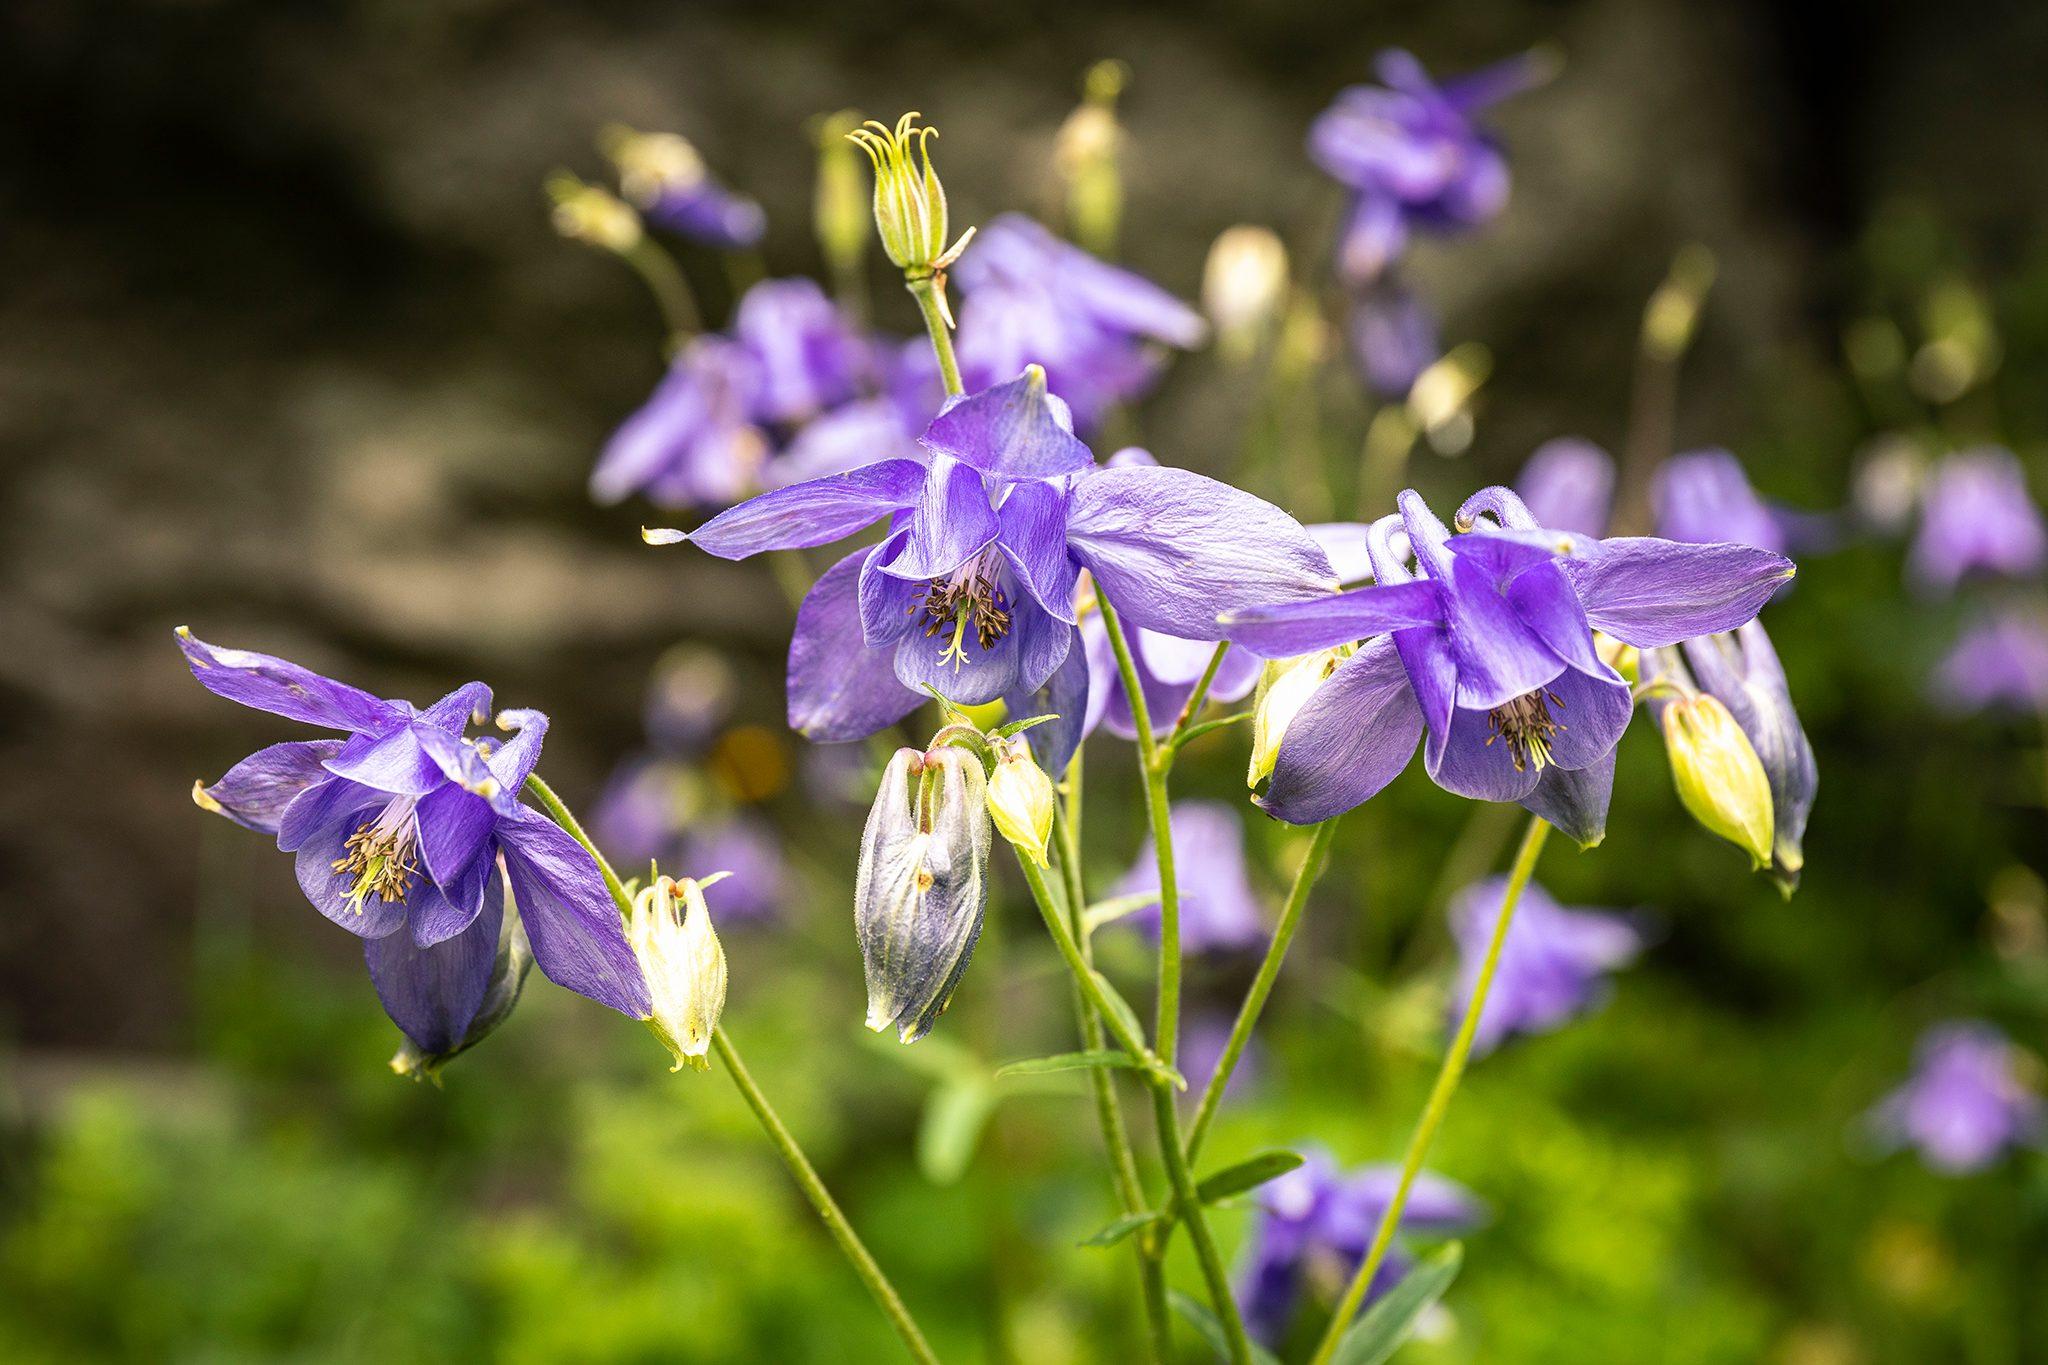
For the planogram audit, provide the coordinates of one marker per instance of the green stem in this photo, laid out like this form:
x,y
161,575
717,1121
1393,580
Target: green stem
x,y
1196,698
931,301
1447,1078
828,1208
792,1155
671,290
1190,1206
1085,976
1312,865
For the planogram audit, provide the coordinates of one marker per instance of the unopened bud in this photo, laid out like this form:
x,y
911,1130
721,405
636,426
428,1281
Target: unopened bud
x,y
1439,399
1087,154
1672,315
1742,671
910,203
680,956
1244,284
839,212
1718,775
1021,799
1284,688
651,164
586,213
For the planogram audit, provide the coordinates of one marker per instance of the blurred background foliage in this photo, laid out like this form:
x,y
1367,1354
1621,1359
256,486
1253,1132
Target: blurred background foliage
x,y
287,349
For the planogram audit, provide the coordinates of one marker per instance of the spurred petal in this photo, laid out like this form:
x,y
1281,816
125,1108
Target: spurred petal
x,y
1010,431
578,938
324,803
889,605
839,689
285,689
453,827
1287,629
813,513
1575,799
395,763
433,993
950,523
1065,694
1353,737
513,762
1650,593
255,792
1174,549
469,704
1033,539
1500,657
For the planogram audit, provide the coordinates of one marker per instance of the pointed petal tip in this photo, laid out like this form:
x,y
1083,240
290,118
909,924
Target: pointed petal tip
x,y
662,535
202,799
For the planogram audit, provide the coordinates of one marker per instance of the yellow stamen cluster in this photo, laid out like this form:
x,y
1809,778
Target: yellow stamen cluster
x,y
1526,725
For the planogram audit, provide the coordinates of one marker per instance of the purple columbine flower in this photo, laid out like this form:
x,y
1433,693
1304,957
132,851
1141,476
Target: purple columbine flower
x,y
1315,1224
1413,156
1553,966
1965,1103
1704,497
407,834
1486,648
664,175
1999,663
1393,336
1568,484
1219,911
811,358
973,590
1977,518
696,442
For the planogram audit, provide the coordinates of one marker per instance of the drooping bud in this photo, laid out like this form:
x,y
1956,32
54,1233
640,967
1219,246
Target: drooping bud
x,y
1672,315
679,953
1743,672
910,203
922,886
839,210
1021,799
1440,402
1244,284
1284,688
508,979
1087,154
1718,775
594,216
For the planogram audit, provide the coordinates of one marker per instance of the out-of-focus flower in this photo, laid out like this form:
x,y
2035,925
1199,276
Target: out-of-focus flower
x,y
406,834
1719,777
593,215
1486,647
1088,153
810,358
1965,1104
689,697
922,888
1553,966
973,591
2000,662
1314,1225
1705,496
1413,155
1203,1036
1568,485
910,203
1244,285
695,443
839,209
1885,489
1219,911
1743,672
684,964
1021,800
663,174
1977,518
1393,337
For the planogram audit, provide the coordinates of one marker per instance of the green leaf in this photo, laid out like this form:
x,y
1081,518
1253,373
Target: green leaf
x,y
1204,1322
1390,1321
1123,1227
1195,732
1018,727
1246,1175
1115,908
954,1117
1067,1061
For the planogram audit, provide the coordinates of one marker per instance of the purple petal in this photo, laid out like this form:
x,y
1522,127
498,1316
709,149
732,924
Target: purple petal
x,y
1354,737
1544,598
1575,799
1568,485
1500,656
839,689
1174,549
1375,234
284,689
512,762
310,813
813,513
977,673
328,889
438,913
950,523
1650,593
890,607
1591,711
570,918
1292,628
397,763
1064,694
1345,544
1174,660
433,993
469,704
1033,539
1010,431
1473,761
255,792
453,826
855,434
1474,91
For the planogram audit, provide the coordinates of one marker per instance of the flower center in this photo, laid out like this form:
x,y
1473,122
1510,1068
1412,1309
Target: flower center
x,y
1526,725
380,856
972,595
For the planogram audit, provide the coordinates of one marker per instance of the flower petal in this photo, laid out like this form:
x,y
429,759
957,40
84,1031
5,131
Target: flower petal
x,y
469,704
284,689
433,993
1353,737
1287,629
1650,593
1033,539
1591,711
320,805
255,792
397,763
1010,431
1345,543
839,689
1174,549
1066,695
1575,799
889,605
974,675
513,761
437,918
816,512
328,889
1500,657
578,938
453,826
950,523
1473,761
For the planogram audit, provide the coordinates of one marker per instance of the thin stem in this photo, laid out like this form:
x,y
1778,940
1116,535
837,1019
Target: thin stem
x,y
930,293
1084,975
670,287
1447,1078
1190,1206
792,1155
828,1208
1312,865
1196,698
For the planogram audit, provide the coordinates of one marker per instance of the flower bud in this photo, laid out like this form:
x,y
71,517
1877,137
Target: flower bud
x,y
1742,671
670,933
839,212
921,889
1284,688
508,979
1021,799
1086,154
651,164
910,203
1718,775
585,213
1244,284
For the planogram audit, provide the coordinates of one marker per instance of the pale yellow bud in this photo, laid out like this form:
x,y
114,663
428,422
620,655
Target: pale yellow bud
x,y
1021,799
1718,775
1284,688
1244,284
1672,315
679,954
651,164
585,213
840,210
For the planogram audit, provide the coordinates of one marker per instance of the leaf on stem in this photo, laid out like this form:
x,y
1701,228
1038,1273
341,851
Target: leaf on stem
x,y
1123,1227
1068,1061
1115,908
1389,1322
951,1129
1248,1174
1211,1331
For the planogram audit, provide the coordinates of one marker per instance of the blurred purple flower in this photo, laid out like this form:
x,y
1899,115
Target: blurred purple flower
x,y
663,174
1203,1037
746,846
1568,485
689,697
811,358
1219,911
1999,663
1413,156
1977,518
1314,1225
407,834
695,443
1965,1104
1704,496
1393,337
1553,967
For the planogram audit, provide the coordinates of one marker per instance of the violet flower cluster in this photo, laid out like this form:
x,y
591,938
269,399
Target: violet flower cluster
x,y
1965,1104
1552,969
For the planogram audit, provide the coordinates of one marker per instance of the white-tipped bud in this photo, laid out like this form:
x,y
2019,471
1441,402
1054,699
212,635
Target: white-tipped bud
x,y
910,203
679,953
839,210
586,213
651,164
1718,775
1021,799
1244,286
1284,688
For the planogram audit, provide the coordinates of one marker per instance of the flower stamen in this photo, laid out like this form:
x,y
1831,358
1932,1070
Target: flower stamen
x,y
379,857
1527,726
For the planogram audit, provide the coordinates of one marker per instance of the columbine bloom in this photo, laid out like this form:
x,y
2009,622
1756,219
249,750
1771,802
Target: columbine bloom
x,y
1393,336
1965,1104
1568,485
973,590
2000,662
1414,156
1314,1225
407,834
1977,518
810,357
663,174
696,442
1553,967
1219,911
1491,657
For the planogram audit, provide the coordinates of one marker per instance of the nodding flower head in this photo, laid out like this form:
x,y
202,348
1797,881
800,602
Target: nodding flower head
x,y
910,203
592,215
679,954
662,174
